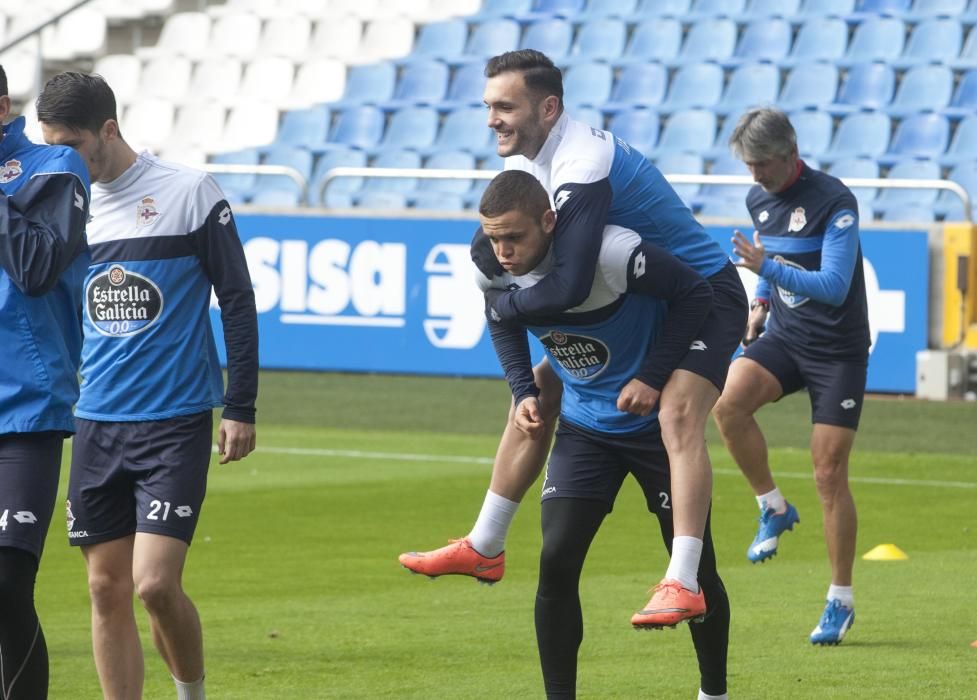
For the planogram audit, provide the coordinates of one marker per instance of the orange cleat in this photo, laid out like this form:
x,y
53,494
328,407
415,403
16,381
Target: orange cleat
x,y
671,603
458,558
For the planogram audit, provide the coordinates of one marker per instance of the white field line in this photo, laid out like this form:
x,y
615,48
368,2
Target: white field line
x,y
460,459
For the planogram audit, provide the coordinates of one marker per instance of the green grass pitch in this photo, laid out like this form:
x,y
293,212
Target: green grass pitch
x,y
294,566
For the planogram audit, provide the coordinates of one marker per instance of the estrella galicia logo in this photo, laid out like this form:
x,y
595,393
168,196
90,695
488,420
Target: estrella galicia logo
x,y
122,303
791,299
581,356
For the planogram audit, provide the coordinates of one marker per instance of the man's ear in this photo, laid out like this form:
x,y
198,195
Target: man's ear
x,y
551,109
4,108
549,222
109,130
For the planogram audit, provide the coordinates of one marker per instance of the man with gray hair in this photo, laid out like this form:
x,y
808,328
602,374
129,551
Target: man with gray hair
x,y
807,253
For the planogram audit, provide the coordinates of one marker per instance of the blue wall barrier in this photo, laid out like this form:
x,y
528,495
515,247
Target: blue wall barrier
x,y
398,296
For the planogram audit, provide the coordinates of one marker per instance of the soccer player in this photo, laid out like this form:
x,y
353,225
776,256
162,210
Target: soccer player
x,y
43,259
807,253
602,350
595,179
162,237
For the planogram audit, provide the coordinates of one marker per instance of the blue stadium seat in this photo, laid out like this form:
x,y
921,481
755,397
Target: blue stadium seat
x,y
692,130
726,164
818,39
368,84
813,131
662,8
237,187
562,8
707,9
551,36
465,129
750,85
860,134
694,85
410,128
871,8
276,198
676,163
968,54
291,156
393,159
340,192
437,201
963,146
587,84
498,9
361,127
654,40
708,40
382,200
825,8
599,40
721,144
926,9
305,127
964,100
466,87
638,85
448,160
763,40
876,39
420,83
948,204
860,168
809,85
638,127
918,136
492,37
445,40
923,88
890,198
915,213
935,40
761,9
591,116
723,209
866,86
609,8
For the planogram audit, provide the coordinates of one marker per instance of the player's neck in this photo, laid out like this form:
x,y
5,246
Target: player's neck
x,y
120,159
793,178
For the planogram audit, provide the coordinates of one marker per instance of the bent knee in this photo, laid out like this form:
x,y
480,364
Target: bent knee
x,y
157,593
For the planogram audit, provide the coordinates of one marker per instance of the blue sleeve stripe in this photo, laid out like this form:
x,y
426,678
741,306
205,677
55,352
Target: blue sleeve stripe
x,y
788,245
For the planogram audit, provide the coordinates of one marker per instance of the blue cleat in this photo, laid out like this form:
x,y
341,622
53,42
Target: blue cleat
x,y
835,622
772,526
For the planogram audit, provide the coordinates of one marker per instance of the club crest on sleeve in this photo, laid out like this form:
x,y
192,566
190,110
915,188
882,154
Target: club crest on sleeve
x,y
11,171
798,220
146,212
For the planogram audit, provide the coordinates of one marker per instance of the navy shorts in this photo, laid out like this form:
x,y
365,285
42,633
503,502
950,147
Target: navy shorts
x,y
143,476
591,465
30,464
836,385
721,332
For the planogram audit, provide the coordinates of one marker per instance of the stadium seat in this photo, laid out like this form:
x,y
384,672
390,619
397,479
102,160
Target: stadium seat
x,y
890,198
122,72
948,204
637,127
465,129
915,213
551,36
694,85
338,37
420,83
692,130
340,190
675,163
465,88
859,168
237,187
963,146
318,80
587,84
386,39
359,127
876,39
216,78
380,200
591,116
763,40
865,9
918,136
440,40
491,38
183,34
750,85
825,8
560,8
149,122
723,209
638,85
923,88
250,125
662,8
503,8
761,9
369,84
267,78
305,128
393,159
599,40
437,201
968,54
287,36
199,126
276,198
809,85
608,8
818,39
964,100
721,144
866,86
653,40
166,77
726,164
290,156
937,40
707,9
410,128
708,40
927,9
813,131
236,34
80,34
448,160
860,134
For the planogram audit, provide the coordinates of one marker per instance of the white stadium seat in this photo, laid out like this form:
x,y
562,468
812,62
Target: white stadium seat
x,y
267,78
167,77
250,125
386,38
147,123
215,78
183,34
235,34
337,38
286,36
122,71
318,80
199,126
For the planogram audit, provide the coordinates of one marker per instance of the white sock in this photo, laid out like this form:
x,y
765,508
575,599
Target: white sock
x,y
704,696
190,691
684,564
774,500
843,594
492,526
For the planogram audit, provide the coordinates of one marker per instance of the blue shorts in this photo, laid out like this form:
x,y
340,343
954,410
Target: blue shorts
x,y
591,465
142,476
722,330
30,464
836,386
